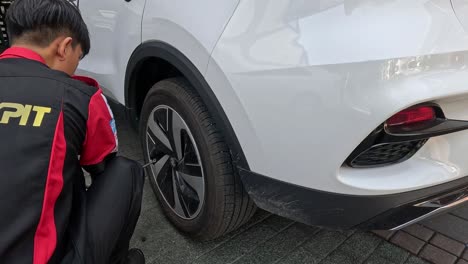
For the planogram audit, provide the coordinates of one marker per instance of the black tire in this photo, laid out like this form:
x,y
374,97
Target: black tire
x,y
226,204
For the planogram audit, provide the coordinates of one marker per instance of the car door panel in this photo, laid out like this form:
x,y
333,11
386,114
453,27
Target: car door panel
x,y
115,30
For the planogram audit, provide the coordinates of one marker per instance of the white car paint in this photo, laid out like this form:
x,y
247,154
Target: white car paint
x,y
304,82
187,26
461,9
115,30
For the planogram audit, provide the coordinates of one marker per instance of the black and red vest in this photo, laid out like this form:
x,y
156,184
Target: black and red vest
x,y
50,126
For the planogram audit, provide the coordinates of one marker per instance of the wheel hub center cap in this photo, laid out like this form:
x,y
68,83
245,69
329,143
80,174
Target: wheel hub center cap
x,y
174,163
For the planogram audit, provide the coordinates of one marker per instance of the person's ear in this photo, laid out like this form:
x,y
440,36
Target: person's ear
x,y
64,47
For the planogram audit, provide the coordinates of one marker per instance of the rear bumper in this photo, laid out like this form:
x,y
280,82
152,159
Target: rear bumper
x,y
334,210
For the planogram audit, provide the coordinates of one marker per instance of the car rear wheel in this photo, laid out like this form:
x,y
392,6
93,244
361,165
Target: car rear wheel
x,y
193,175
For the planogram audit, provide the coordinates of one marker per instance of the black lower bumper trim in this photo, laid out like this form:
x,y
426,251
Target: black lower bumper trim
x,y
334,210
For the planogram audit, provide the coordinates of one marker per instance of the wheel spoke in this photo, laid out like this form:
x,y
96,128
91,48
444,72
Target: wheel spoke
x,y
159,134
160,164
179,203
192,164
196,182
156,145
190,158
162,174
193,169
177,125
151,140
160,116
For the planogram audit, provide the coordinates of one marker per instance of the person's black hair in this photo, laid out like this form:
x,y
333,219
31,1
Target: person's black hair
x,y
40,22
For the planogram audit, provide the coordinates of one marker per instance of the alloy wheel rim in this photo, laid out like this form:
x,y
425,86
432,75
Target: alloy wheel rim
x,y
177,169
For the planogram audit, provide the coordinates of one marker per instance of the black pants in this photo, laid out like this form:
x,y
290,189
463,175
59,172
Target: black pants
x,y
112,208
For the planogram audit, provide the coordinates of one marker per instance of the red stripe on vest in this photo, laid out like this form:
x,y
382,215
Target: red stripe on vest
x,y
45,239
100,140
21,53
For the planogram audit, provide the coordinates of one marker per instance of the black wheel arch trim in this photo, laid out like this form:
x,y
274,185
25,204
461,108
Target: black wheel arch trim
x,y
164,51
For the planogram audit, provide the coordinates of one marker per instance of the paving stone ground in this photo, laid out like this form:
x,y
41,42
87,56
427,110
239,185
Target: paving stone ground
x,y
439,240
269,238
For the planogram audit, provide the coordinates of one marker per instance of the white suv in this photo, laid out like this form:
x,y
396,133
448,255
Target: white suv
x,y
338,113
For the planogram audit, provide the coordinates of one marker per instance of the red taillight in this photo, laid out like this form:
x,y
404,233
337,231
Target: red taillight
x,y
412,115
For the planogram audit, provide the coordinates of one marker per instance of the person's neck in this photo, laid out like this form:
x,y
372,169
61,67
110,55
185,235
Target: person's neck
x,y
41,51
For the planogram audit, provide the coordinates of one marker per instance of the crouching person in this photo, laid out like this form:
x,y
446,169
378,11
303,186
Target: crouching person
x,y
51,126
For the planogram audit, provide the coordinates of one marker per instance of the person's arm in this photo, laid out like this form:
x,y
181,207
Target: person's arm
x,y
101,133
